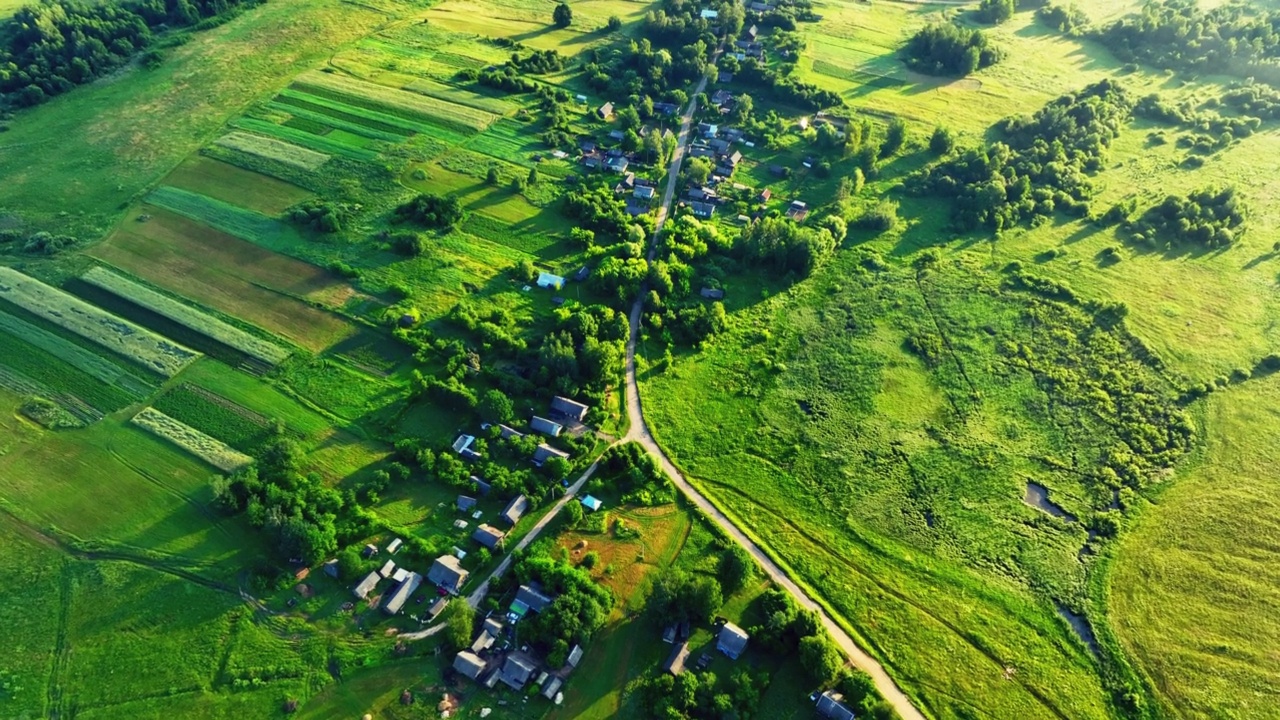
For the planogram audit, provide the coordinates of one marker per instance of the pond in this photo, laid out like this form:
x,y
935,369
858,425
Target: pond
x,y
1080,624
1038,497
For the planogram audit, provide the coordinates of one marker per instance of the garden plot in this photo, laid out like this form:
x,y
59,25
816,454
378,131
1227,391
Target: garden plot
x,y
228,183
273,149
321,142
211,450
395,102
72,354
120,336
186,315
216,416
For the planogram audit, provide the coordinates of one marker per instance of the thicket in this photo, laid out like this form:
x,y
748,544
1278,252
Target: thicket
x,y
579,608
995,12
303,514
1253,99
783,87
635,474
430,210
47,49
598,209
1063,18
1210,218
702,695
323,215
1040,166
948,49
1180,34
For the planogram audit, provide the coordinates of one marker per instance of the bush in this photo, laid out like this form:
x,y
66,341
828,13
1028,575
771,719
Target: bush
x,y
1211,218
1063,18
409,244
880,218
995,12
432,211
942,141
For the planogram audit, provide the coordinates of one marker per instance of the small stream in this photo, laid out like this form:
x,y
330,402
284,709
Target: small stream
x,y
1080,624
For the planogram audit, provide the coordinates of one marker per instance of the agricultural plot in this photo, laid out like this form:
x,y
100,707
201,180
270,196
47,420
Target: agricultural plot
x,y
273,149
74,355
258,397
230,219
403,104
230,184
44,374
216,416
121,337
190,317
211,450
236,277
320,139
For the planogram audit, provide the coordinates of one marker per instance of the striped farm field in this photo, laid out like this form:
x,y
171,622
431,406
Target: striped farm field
x,y
273,149
228,183
394,102
459,96
233,220
186,315
58,378
299,112
216,416
72,354
211,450
302,138
124,338
239,278
371,119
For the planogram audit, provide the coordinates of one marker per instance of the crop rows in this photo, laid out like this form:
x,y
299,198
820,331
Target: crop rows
x,y
230,219
273,149
302,138
395,102
830,69
124,338
451,94
215,416
300,112
213,451
55,377
71,353
186,315
339,110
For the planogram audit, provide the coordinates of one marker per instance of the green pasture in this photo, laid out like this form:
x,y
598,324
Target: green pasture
x,y
1193,587
326,143
31,626
70,162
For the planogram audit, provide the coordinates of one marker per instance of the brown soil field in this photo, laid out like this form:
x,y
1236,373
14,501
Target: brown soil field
x,y
231,275
228,183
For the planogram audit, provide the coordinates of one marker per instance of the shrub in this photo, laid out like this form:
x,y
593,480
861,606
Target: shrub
x,y
995,12
942,141
882,217
432,211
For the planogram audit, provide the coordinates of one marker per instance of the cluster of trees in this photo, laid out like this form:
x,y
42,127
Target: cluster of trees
x,y
1180,34
509,76
948,49
1040,167
323,215
40,242
787,247
640,71
429,210
558,131
579,609
49,48
702,695
786,88
1213,130
1063,18
585,351
680,597
1211,218
994,12
634,473
304,515
1253,99
597,208
562,16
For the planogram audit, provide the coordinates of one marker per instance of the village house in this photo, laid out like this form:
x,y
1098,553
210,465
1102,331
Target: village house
x,y
447,572
515,509
552,687
575,656
586,146
644,192
517,671
712,293
724,77
697,150
465,503
722,97
387,569
666,108
752,33
831,705
394,546
732,640
549,281
616,135
331,568
481,486
592,503
764,195
618,164
635,208
674,663
702,209
367,585
469,664
605,111
529,598
402,593
488,536
545,426
437,607
571,409
545,452
797,211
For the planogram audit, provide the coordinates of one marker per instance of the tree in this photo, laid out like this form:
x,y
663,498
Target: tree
x,y
697,170
573,514
942,141
517,184
495,406
820,658
457,631
615,23
743,105
492,177
533,176
563,15
736,568
895,137
995,12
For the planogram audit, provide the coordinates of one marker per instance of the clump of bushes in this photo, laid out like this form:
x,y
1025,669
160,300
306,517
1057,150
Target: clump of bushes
x,y
432,211
1063,18
323,215
1211,218
948,49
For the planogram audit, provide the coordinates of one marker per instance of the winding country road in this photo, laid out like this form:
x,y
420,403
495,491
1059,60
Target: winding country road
x,y
639,432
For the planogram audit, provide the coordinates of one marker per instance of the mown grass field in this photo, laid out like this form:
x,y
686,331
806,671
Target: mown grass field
x,y
1194,587
231,184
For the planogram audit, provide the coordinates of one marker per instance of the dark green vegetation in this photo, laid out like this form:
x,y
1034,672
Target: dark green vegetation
x,y
948,49
1236,38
